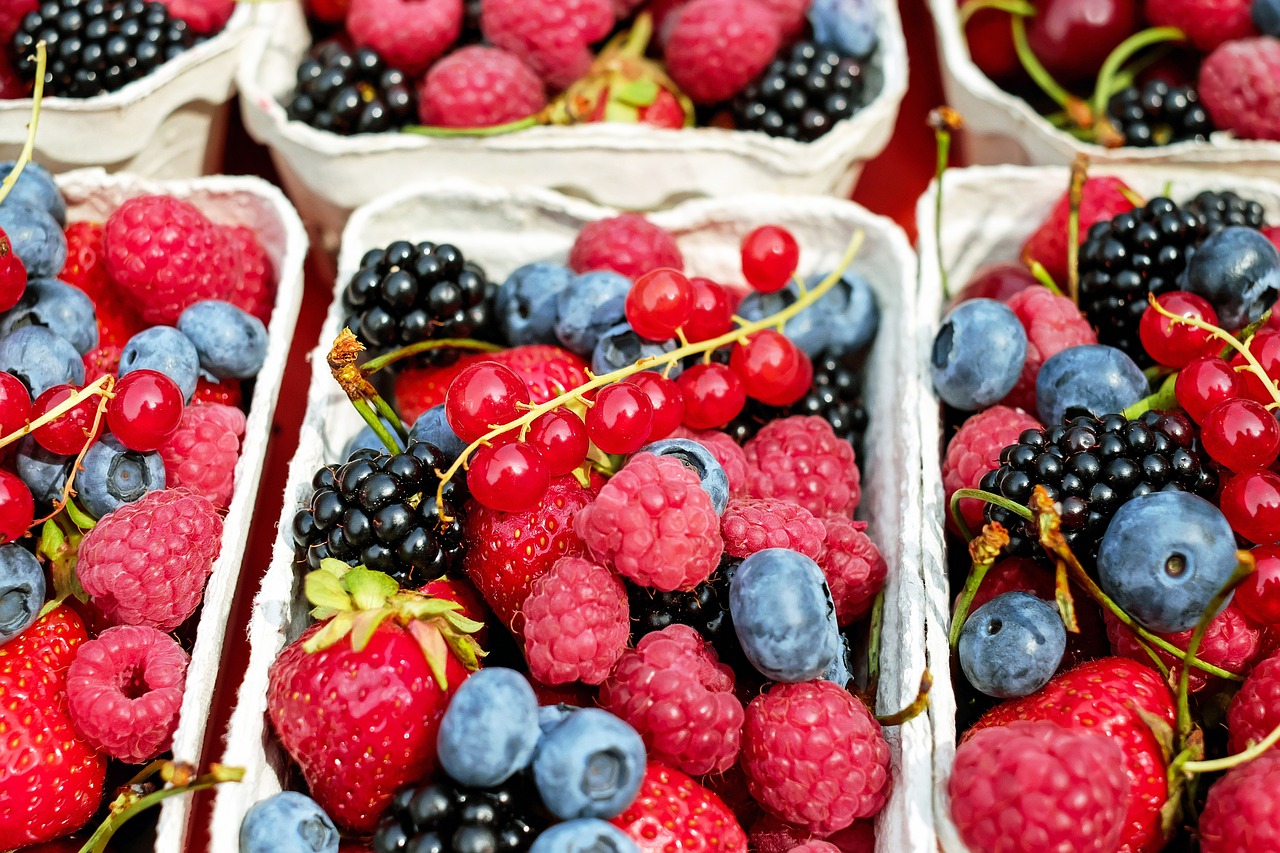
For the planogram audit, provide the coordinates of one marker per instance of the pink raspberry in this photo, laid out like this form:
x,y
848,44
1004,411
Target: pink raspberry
x,y
201,456
1053,323
576,623
255,287
1255,709
726,451
408,34
751,525
789,14
814,756
1232,642
479,87
628,244
770,835
654,524
124,691
1243,809
167,255
1101,198
553,36
11,16
815,847
1207,23
1240,87
202,16
800,459
975,450
714,48
673,690
146,562
854,568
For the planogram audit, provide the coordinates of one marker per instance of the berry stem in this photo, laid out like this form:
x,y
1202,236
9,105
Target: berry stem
x,y
538,118
1222,335
351,379
1163,400
1042,275
1079,175
1076,108
989,497
1218,765
373,365
983,551
1111,66
945,122
370,417
37,98
913,710
1013,7
99,387
874,637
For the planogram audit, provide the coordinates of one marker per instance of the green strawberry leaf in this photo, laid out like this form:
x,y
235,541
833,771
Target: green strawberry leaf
x,y
333,631
369,589
326,592
434,649
461,623
465,649
637,93
616,111
364,624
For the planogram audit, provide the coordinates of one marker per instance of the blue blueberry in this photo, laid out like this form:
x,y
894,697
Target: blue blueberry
x,y
849,26
978,354
231,342
783,615
59,307
433,428
367,439
45,473
21,591
526,304
1266,16
114,475
1238,270
1093,378
587,835
1012,645
592,304
289,822
1163,558
40,359
841,669
36,237
591,765
811,329
490,728
165,350
36,188
621,346
715,482
550,716
855,326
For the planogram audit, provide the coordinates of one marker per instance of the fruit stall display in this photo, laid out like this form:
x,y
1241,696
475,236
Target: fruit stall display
x,y
1104,351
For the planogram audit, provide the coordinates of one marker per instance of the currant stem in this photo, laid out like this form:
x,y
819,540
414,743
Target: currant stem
x,y
915,709
1079,175
944,121
99,387
1013,7
129,804
1222,335
373,365
1117,58
68,488
1075,107
28,147
1042,275
983,551
1218,765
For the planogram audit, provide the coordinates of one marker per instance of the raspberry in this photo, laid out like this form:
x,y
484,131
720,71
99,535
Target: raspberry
x,y
854,568
770,835
103,361
11,17
628,244
576,623
86,269
146,562
726,451
1101,199
202,16
124,691
814,756
1053,323
479,87
1207,23
716,47
1232,642
1255,709
553,36
225,392
975,450
255,287
1238,84
1039,786
789,14
1243,809
654,524
408,34
800,459
673,690
815,847
201,455
751,525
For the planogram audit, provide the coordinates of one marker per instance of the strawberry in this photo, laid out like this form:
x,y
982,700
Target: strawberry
x,y
50,778
1125,701
227,392
1101,199
673,812
357,700
86,269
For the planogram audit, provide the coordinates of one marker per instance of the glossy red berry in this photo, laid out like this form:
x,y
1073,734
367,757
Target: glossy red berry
x,y
483,396
1251,502
1176,344
658,303
561,436
15,404
770,256
713,395
712,311
1259,595
70,432
17,507
621,419
145,411
1241,434
997,281
1205,383
509,477
770,367
1265,347
665,397
13,275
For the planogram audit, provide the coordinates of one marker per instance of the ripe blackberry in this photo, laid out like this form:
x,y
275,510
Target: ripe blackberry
x,y
380,512
408,293
1216,211
446,817
1092,466
802,95
350,92
1158,114
836,397
97,46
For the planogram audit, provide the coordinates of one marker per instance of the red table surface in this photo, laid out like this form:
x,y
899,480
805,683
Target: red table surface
x,y
890,185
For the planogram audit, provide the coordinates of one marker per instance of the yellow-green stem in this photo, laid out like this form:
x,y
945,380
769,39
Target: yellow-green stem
x,y
1228,338
99,387
373,365
1217,765
1244,568
28,147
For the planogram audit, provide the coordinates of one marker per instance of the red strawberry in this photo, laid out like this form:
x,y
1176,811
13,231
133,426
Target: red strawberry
x,y
227,392
86,269
1102,198
1110,696
673,812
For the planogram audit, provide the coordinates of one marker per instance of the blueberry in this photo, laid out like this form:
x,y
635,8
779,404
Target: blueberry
x,y
40,359
527,303
1164,557
1091,378
591,765
21,591
1238,270
490,728
36,188
433,428
715,482
783,615
114,475
841,669
231,342
590,306
366,439
978,354
810,330
1266,16
550,716
1012,645
621,346
849,26
36,237
45,473
166,350
289,822
856,325
58,307
587,835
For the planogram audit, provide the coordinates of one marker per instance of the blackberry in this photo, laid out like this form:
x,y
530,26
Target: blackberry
x,y
446,817
380,512
1159,114
836,397
801,95
97,46
752,419
1215,211
705,608
408,293
1092,466
350,92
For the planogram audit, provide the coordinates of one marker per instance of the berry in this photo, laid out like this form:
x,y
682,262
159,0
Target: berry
x,y
672,811
665,398
576,623
592,304
773,370
553,38
581,836
1207,23
700,460
1265,347
659,303
408,35
201,454
287,822
17,507
713,395
1265,15
166,350
1238,270
1101,198
1158,114
72,431
1259,596
784,616
1012,645
1232,642
145,411
450,818
1000,281
1255,709
1052,324
36,238
40,359
525,304
1251,502
627,244
204,17
621,347
800,459
15,404
113,476
44,473
509,477
231,343
1218,210
13,275
854,568
836,397
714,48
484,396
22,590
1175,344
547,372
1240,811
1094,379
590,765
490,729
752,525
561,438
432,426
36,187
975,450
1237,86
712,314
620,419
1206,383
770,256
978,354
802,95
479,86
350,91
705,609
1240,434
851,26
726,451
57,306
255,287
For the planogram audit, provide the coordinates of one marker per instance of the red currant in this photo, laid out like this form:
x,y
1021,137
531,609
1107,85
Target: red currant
x,y
658,303
665,397
713,395
799,386
72,431
17,507
770,367
621,419
1203,384
145,411
509,477
13,275
1175,344
483,396
712,311
1259,595
997,281
770,256
1265,347
1251,502
1241,434
15,404
562,437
